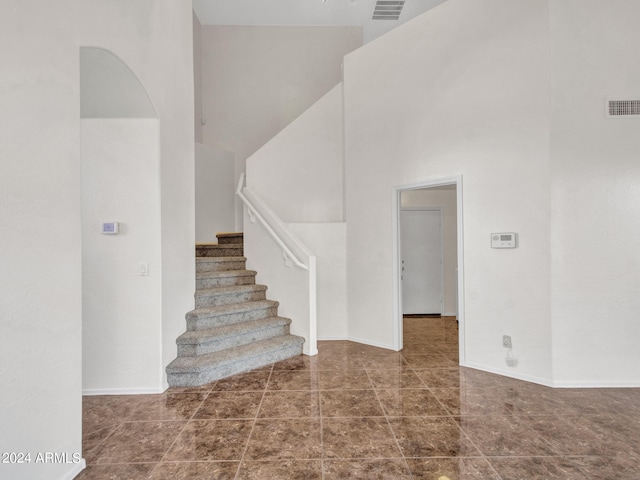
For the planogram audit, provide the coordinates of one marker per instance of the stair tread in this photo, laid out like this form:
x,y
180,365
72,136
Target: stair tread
x,y
232,308
212,360
210,334
233,328
220,259
230,289
225,274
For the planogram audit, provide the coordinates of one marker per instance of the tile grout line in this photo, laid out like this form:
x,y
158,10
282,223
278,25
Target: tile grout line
x,y
386,417
322,460
450,416
429,389
255,419
117,426
195,410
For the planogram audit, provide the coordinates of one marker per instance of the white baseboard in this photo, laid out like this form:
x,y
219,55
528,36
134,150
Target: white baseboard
x,y
371,344
309,353
356,340
121,391
510,373
595,384
554,384
75,470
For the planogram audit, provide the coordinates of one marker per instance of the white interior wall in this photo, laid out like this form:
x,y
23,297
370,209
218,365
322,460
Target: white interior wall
x,y
40,308
328,243
41,361
121,310
256,80
197,78
469,96
299,172
287,284
155,39
215,193
299,175
445,199
109,89
595,194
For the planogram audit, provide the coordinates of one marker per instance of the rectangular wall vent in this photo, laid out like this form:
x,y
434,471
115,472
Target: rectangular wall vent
x,y
388,9
623,108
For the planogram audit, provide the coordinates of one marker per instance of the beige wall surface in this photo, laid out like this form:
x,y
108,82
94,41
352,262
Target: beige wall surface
x,y
468,96
299,172
256,80
40,305
40,197
215,193
121,332
197,78
136,33
595,194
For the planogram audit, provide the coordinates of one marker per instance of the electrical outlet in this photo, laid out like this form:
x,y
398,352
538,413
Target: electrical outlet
x,y
506,341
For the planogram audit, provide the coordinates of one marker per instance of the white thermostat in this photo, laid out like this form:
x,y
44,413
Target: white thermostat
x,y
109,228
504,240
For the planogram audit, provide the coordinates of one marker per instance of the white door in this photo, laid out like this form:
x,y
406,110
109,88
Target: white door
x,y
421,258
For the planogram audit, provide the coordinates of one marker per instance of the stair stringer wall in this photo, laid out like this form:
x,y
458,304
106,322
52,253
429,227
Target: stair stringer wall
x,y
299,175
288,284
299,172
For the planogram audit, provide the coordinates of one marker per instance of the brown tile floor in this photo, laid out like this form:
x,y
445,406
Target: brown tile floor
x,y
356,411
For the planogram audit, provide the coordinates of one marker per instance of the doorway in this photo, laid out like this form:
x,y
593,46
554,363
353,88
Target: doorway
x,y
422,265
443,295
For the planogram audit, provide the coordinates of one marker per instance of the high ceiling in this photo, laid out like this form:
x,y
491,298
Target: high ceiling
x,y
307,12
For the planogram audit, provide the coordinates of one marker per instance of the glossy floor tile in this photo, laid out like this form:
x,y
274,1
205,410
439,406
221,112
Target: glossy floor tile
x,y
361,412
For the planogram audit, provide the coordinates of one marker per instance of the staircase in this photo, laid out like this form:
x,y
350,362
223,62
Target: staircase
x,y
233,327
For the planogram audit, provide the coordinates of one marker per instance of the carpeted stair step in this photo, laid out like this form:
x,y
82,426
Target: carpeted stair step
x,y
230,238
195,371
204,318
202,342
216,264
217,250
225,278
213,297
233,328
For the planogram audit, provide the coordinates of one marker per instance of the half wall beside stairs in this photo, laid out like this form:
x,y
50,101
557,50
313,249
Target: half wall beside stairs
x,y
290,266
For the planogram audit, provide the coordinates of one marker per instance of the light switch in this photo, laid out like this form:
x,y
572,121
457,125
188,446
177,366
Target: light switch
x,y
143,269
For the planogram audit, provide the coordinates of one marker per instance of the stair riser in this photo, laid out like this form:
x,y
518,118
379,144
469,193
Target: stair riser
x,y
217,266
216,373
230,318
230,240
225,281
216,300
215,345
219,251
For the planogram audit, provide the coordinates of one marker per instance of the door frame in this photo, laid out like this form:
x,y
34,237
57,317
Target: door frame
x,y
396,260
441,252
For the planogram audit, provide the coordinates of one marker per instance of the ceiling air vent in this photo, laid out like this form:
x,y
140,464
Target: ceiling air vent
x,y
388,9
623,108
